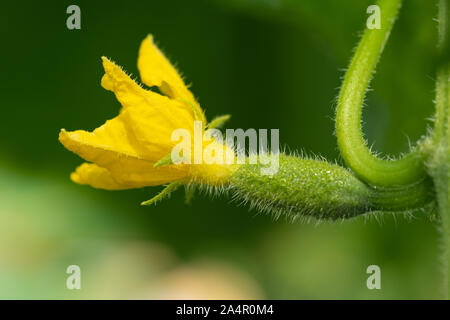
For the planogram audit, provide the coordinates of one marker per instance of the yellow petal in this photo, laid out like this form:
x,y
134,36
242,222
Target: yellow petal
x,y
111,146
130,144
160,110
156,70
98,177
127,91
152,128
149,117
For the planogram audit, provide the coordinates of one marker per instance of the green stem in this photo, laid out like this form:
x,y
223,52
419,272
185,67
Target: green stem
x,y
404,198
351,142
439,160
437,147
445,193
441,170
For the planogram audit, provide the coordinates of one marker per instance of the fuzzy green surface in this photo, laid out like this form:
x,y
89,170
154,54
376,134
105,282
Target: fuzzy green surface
x,y
438,163
352,144
303,187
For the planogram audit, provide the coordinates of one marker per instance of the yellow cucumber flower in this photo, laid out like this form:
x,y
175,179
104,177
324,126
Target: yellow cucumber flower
x,y
140,147
133,150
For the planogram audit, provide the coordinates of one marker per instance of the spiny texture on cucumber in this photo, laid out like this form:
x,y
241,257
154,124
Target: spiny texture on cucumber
x,y
302,187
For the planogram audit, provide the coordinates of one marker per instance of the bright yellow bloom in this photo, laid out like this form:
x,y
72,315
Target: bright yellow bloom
x,y
121,154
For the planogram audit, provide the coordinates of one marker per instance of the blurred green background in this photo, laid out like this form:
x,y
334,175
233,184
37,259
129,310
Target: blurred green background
x,y
271,64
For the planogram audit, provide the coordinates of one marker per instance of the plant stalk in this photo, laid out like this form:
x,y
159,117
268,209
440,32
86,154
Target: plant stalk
x,y
352,145
438,147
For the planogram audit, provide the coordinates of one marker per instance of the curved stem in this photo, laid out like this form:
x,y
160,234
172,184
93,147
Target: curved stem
x,y
353,147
